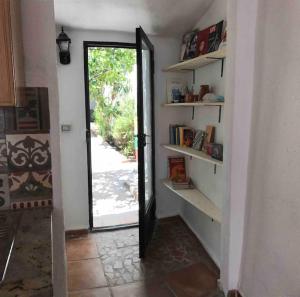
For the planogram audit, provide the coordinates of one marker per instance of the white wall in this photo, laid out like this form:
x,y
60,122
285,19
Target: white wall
x,y
216,12
40,55
72,111
271,258
167,51
237,119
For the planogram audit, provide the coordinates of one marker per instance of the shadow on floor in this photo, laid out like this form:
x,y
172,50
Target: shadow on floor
x,y
113,202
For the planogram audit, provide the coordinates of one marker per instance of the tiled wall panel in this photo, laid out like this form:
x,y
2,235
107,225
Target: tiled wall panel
x,y
25,157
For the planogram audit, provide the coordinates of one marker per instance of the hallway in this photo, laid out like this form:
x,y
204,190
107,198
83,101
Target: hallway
x,y
107,264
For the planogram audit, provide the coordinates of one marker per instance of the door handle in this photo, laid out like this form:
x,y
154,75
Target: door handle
x,y
142,138
145,135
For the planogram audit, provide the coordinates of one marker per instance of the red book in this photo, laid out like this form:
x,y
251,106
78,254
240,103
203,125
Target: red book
x,y
209,39
202,42
177,169
188,137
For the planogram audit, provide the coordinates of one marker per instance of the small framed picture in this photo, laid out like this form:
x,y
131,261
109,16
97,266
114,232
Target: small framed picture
x,y
175,90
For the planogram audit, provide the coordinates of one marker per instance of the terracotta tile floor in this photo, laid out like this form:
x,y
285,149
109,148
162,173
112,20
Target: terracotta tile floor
x,y
106,264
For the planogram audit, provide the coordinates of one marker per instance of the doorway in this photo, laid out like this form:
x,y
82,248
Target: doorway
x,y
117,87
111,114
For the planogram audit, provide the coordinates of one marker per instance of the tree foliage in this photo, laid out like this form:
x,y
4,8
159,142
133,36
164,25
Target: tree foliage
x,y
109,72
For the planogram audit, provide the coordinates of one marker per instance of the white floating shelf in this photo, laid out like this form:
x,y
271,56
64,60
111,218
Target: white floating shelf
x,y
198,62
193,153
194,104
198,200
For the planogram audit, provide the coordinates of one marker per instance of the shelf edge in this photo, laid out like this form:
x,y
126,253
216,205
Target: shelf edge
x,y
207,59
208,159
207,104
216,217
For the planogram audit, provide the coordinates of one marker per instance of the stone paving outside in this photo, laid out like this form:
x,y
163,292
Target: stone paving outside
x,y
114,185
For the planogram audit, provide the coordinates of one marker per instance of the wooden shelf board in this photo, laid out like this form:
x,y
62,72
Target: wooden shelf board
x,y
194,104
198,200
197,62
193,153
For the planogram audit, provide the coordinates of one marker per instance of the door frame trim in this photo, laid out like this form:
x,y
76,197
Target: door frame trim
x,y
86,46
145,209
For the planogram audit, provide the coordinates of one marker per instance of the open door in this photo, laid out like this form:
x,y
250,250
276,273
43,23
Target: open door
x,y
146,167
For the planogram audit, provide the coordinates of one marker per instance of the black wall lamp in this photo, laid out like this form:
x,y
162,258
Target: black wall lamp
x,y
63,41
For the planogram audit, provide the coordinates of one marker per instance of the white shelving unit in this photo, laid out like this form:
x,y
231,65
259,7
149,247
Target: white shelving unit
x,y
194,104
198,62
193,153
194,196
198,200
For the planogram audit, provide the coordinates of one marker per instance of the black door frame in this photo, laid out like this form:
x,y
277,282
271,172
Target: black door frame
x,y
147,213
86,46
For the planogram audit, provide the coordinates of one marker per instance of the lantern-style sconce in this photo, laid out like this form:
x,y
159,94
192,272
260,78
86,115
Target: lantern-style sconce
x,y
63,41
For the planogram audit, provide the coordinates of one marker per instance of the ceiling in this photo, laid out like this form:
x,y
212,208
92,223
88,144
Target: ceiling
x,y
159,17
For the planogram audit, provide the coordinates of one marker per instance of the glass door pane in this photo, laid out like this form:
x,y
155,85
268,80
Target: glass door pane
x,y
147,112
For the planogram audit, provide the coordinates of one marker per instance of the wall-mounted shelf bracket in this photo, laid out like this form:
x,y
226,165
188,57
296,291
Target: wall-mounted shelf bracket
x,y
215,169
222,63
222,67
220,113
193,112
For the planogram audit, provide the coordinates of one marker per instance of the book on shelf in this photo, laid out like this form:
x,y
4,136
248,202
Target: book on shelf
x,y
215,37
199,140
217,151
181,135
209,39
186,136
201,42
174,134
189,46
177,169
209,138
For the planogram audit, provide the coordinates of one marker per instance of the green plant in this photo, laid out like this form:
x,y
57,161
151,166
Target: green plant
x,y
104,116
123,128
109,82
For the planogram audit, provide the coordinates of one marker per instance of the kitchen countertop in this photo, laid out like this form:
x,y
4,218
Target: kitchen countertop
x,y
29,272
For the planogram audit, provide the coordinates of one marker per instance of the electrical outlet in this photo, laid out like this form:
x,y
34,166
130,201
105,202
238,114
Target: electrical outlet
x,y
66,128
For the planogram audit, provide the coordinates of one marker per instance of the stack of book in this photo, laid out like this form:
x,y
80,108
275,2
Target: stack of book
x,y
181,135
183,185
177,174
